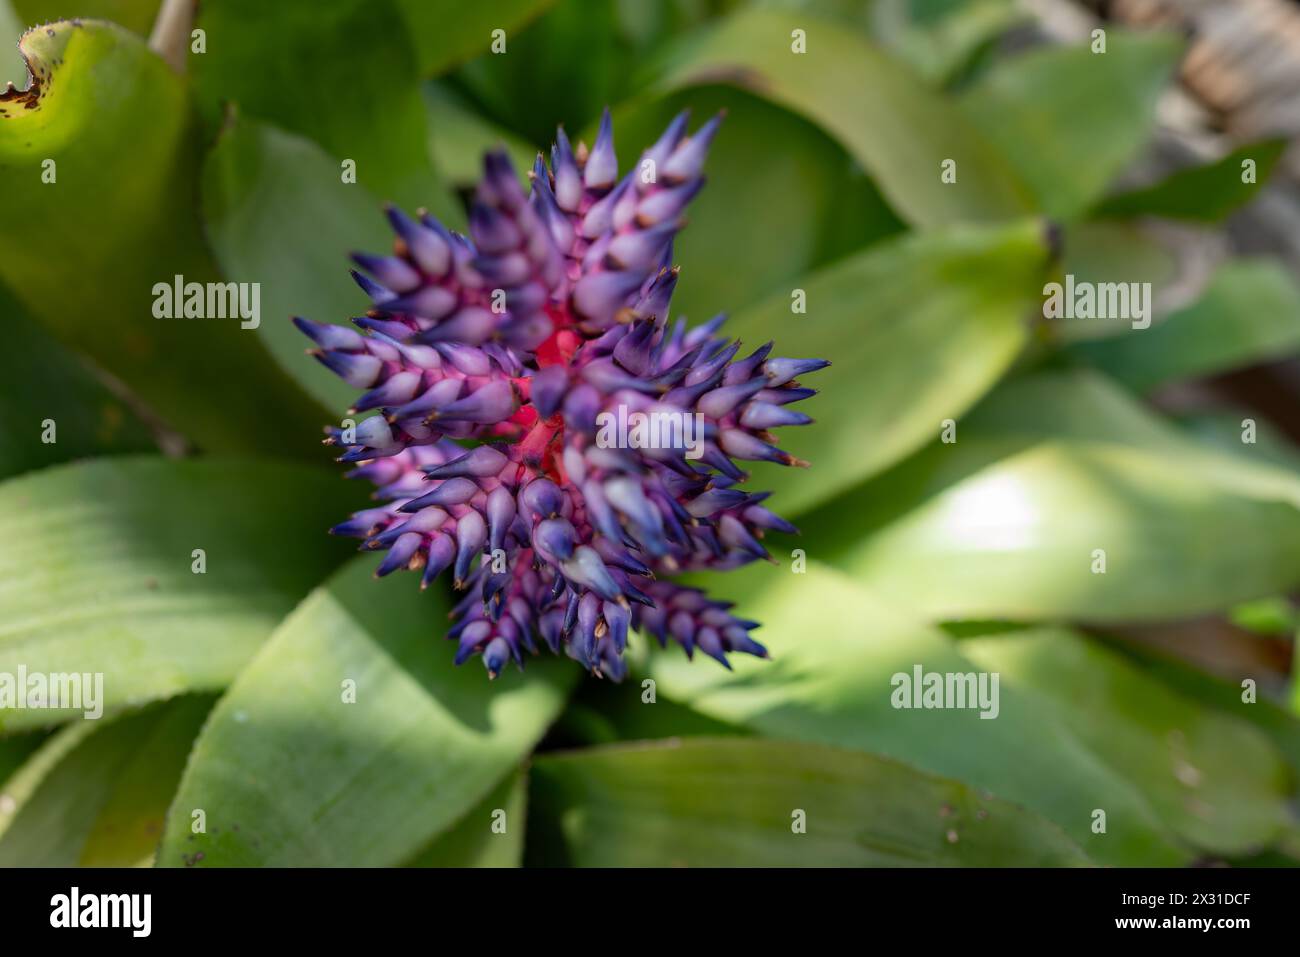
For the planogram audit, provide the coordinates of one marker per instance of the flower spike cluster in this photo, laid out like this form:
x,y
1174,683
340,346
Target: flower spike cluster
x,y
523,340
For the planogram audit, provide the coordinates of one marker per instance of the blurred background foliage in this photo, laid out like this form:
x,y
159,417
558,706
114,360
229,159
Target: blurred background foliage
x,y
1161,692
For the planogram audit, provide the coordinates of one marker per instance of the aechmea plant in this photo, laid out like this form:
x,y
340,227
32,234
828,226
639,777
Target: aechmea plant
x,y
600,445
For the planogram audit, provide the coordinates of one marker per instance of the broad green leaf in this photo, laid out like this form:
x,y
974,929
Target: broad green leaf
x,y
1205,193
632,712
84,252
563,68
1226,430
1227,697
940,38
344,74
14,751
766,216
98,573
136,15
889,121
293,772
1108,252
447,32
732,802
1083,405
937,39
55,409
51,749
459,136
835,651
490,835
917,329
277,213
12,67
1249,312
96,793
562,71
1215,781
1008,521
1069,120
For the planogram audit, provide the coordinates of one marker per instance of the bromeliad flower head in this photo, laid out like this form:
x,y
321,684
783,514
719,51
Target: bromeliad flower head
x,y
531,337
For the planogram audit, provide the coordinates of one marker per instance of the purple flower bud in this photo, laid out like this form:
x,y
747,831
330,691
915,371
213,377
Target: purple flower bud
x,y
428,302
781,371
598,296
330,336
568,182
470,325
548,388
491,403
428,247
600,218
500,515
470,536
639,250
453,491
495,656
442,552
377,293
716,403
687,160
481,462
391,271
555,540
602,164
356,369
586,569
664,146
667,204
541,498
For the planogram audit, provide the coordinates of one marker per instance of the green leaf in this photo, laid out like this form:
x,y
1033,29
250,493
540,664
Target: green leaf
x,y
1215,781
940,38
1227,697
1108,252
615,715
758,227
1222,428
1007,521
1069,120
937,39
732,802
61,389
96,793
136,15
98,571
293,774
1205,193
917,329
12,67
897,129
477,840
835,651
14,751
1249,313
459,136
447,32
564,68
84,252
277,214
344,74
1084,406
